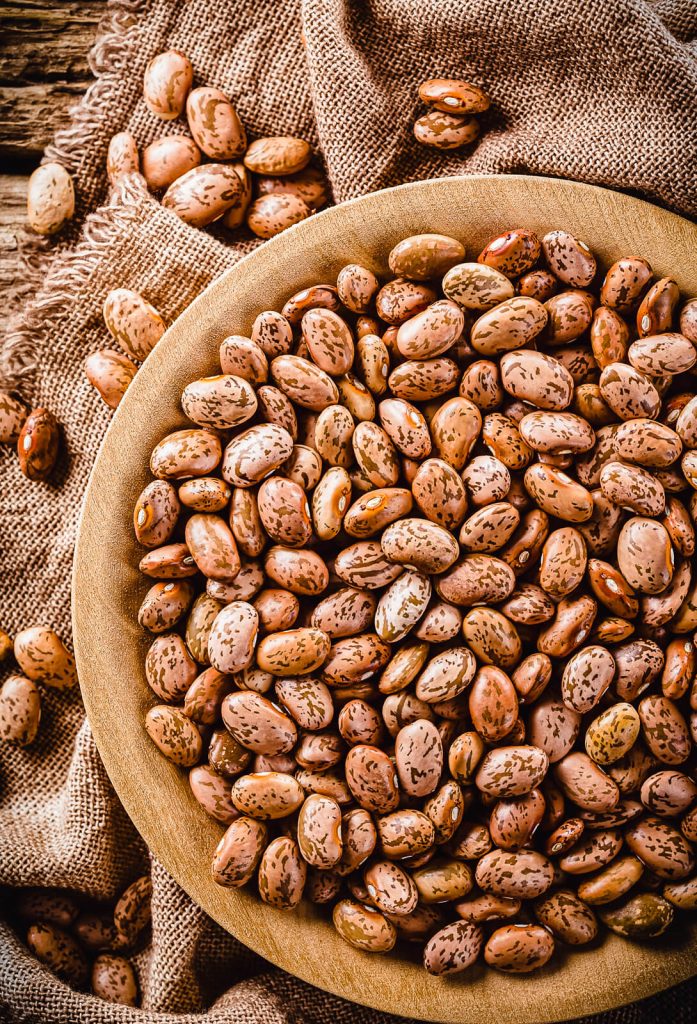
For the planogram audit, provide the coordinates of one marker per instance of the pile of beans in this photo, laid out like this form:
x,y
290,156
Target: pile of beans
x,y
84,942
450,122
212,173
423,596
43,661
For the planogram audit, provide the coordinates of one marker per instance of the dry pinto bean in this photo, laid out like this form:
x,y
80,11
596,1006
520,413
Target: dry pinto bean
x,y
612,882
645,555
371,512
166,159
355,659
569,317
668,793
455,429
219,402
587,676
443,880
569,259
553,727
476,286
271,214
558,494
37,444
110,373
537,378
186,453
511,324
453,948
59,951
445,131
50,199
390,888
293,651
513,822
432,332
427,547
214,124
203,194
20,710
446,675
403,667
267,795
169,668
277,609
243,358
584,783
257,724
372,778
402,605
405,833
167,81
175,735
612,733
363,927
511,771
492,637
644,916
43,657
282,874
661,848
664,729
567,917
419,758
475,579
524,874
656,311
345,612
629,393
538,284
519,948
513,253
13,413
441,622
406,427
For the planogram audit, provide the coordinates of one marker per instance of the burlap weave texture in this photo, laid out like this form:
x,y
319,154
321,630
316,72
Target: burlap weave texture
x,y
596,90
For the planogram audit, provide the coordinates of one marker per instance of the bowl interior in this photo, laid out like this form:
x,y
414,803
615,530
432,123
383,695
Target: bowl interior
x,y
107,591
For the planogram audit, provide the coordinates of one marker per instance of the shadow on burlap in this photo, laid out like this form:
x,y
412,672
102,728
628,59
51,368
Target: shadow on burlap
x,y
587,89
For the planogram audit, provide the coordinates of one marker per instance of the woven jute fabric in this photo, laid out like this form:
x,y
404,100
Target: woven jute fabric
x,y
595,90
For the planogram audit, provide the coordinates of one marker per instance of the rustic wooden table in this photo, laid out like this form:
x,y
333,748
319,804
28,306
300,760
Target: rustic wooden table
x,y
43,71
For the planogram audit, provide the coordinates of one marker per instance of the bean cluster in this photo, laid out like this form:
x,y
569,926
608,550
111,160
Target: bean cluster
x,y
451,121
85,943
424,606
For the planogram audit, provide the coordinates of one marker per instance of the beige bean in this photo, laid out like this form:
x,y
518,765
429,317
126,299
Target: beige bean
x,y
20,710
50,199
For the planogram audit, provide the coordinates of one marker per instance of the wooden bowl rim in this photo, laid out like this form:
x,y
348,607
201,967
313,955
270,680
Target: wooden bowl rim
x,y
109,647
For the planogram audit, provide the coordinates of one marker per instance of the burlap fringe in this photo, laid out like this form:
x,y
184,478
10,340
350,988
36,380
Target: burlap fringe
x,y
54,273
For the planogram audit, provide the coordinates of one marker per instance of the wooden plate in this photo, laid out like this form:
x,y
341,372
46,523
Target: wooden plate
x,y
107,591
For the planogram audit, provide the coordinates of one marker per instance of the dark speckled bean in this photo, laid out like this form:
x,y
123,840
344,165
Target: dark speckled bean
x,y
567,917
511,771
453,948
258,724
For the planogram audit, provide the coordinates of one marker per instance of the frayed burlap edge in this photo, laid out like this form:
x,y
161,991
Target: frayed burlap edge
x,y
49,272
62,277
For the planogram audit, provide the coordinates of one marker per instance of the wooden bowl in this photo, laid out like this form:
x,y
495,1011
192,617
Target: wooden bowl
x,y
107,591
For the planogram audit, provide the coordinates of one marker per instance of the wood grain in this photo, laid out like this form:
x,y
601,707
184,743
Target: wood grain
x,y
107,591
43,71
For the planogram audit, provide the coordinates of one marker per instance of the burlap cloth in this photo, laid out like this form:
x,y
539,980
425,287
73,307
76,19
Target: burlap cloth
x,y
598,90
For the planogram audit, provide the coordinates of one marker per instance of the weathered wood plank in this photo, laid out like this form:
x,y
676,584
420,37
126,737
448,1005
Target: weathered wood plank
x,y
13,214
43,71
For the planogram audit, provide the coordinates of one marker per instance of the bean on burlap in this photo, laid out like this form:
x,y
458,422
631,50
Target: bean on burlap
x,y
570,98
